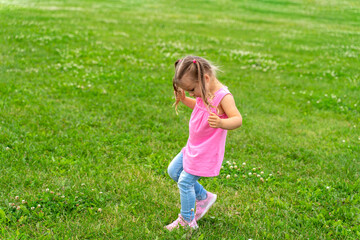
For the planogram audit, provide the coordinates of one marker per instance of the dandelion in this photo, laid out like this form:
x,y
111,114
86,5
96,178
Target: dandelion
x,y
228,176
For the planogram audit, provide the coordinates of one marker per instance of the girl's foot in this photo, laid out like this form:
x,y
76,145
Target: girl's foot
x,y
181,222
202,206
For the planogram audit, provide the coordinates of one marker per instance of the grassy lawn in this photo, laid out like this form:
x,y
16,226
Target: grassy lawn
x,y
87,129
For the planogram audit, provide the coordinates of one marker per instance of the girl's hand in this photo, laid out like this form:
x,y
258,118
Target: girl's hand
x,y
214,121
180,95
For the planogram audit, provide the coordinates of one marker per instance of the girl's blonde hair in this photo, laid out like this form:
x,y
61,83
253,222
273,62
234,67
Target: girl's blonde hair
x,y
196,68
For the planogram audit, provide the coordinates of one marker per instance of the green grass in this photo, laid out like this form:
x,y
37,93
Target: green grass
x,y
85,112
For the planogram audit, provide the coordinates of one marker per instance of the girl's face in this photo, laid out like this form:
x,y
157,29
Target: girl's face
x,y
192,87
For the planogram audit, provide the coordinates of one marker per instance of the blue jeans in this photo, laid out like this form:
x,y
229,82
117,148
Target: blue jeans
x,y
189,187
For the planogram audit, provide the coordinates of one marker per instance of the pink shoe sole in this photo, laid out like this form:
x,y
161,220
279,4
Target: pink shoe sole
x,y
206,209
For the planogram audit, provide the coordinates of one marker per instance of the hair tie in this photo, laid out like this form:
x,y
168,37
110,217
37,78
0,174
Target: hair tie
x,y
194,61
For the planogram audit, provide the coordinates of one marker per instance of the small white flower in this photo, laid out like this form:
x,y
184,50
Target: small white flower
x,y
17,197
261,179
293,93
222,167
101,192
83,184
23,201
234,163
227,162
270,175
62,196
258,175
355,105
326,95
32,208
10,204
339,100
99,210
235,167
18,208
228,176
308,101
254,169
7,148
235,175
38,205
255,174
92,189
250,173
231,167
47,190
262,173
244,163
343,141
327,187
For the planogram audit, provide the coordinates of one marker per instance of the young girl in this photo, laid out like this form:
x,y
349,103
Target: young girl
x,y
214,112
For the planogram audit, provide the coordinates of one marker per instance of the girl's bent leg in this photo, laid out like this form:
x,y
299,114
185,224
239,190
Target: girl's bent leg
x,y
174,170
186,185
176,167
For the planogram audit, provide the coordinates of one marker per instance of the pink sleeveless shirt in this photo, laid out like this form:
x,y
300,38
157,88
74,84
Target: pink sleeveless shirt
x,y
205,148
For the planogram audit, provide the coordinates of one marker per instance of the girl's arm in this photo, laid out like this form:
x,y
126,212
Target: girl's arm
x,y
190,102
234,119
